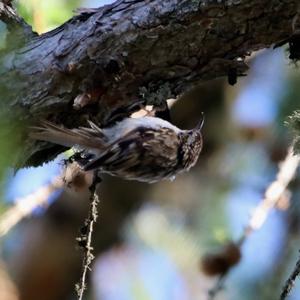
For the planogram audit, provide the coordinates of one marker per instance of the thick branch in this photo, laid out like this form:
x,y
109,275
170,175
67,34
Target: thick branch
x,y
136,50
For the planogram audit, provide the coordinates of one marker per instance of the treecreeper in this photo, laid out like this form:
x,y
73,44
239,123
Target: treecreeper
x,y
147,149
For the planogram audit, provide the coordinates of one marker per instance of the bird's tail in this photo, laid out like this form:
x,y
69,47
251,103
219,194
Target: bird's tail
x,y
92,137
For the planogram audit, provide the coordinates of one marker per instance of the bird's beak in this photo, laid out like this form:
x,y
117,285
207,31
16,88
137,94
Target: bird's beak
x,y
201,122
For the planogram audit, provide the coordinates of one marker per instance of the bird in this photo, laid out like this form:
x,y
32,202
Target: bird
x,y
147,149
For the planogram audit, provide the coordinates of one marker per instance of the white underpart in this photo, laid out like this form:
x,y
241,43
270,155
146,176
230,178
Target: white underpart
x,y
127,125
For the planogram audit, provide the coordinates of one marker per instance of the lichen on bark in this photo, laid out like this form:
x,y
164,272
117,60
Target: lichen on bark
x,y
293,122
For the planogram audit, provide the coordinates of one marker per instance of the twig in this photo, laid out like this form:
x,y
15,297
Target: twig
x,y
85,240
26,205
273,194
219,286
290,281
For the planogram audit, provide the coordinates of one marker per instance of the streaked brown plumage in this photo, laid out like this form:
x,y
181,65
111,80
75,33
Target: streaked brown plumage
x,y
146,149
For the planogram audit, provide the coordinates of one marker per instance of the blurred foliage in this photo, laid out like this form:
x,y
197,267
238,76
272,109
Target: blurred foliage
x,y
2,35
10,139
46,15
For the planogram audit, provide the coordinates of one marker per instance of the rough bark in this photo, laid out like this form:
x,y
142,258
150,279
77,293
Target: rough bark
x,y
104,60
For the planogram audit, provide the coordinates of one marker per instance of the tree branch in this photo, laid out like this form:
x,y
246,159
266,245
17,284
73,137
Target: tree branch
x,y
134,51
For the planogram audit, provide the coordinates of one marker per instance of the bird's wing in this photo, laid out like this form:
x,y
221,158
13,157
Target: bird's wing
x,y
139,146
115,151
170,141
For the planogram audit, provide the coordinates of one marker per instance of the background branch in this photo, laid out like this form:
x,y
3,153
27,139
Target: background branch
x,y
273,194
290,281
25,206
